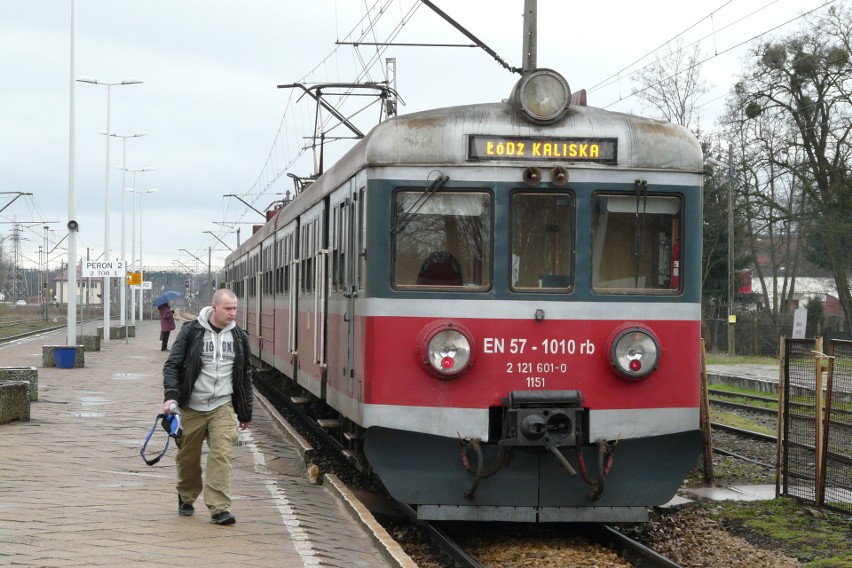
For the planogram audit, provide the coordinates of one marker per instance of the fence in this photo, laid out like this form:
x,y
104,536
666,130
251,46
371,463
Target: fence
x,y
816,445
836,487
759,333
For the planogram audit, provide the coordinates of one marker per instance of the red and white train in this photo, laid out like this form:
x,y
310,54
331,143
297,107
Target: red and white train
x,y
500,303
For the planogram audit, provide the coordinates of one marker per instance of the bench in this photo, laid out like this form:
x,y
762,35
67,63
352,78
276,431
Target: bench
x,y
14,401
90,342
48,356
115,332
26,374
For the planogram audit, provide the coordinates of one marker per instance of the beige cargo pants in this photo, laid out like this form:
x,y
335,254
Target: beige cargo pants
x,y
219,428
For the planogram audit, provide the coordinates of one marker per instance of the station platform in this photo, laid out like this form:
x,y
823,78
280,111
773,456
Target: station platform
x,y
760,378
75,491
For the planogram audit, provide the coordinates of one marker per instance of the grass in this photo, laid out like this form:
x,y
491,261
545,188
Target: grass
x,y
745,400
725,359
744,423
818,538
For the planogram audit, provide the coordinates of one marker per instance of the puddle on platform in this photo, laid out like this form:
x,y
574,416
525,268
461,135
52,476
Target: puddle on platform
x,y
130,376
93,401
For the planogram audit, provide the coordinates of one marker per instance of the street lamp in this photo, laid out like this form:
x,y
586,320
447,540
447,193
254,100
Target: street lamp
x,y
106,288
133,245
124,170
140,193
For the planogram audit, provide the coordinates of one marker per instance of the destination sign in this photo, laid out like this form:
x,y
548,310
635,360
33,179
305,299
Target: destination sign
x,y
599,150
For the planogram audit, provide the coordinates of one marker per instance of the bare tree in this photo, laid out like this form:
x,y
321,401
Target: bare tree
x,y
769,201
671,87
805,81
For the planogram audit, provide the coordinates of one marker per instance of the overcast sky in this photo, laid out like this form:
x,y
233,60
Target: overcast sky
x,y
218,125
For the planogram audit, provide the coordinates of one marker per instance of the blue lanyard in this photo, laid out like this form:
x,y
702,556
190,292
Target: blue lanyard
x,y
174,429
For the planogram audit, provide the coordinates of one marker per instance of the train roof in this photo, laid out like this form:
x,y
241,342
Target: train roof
x,y
439,137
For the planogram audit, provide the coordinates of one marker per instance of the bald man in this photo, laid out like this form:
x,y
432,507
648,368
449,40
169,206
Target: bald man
x,y
208,378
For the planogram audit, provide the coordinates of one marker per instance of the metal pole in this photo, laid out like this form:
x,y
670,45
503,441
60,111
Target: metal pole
x,y
133,252
107,281
530,55
141,272
732,318
71,312
123,257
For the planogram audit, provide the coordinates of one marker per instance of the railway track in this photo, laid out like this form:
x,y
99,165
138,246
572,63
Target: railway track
x,y
330,451
764,405
842,426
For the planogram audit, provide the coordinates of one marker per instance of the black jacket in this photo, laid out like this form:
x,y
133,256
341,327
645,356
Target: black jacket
x,y
184,364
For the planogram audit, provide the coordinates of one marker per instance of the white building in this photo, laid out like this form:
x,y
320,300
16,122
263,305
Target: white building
x,y
88,291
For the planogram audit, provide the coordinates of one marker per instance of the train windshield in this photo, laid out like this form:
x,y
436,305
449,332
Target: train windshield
x,y
443,241
636,243
543,241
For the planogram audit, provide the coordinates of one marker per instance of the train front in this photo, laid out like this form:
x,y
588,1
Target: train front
x,y
531,319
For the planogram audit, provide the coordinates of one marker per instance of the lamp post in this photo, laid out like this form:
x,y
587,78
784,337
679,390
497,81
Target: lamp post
x,y
107,255
141,289
124,170
132,246
71,311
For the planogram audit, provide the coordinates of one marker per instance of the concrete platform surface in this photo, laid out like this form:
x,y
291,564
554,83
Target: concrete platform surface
x,y
74,490
734,493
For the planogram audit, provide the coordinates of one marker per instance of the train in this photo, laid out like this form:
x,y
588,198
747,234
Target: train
x,y
498,305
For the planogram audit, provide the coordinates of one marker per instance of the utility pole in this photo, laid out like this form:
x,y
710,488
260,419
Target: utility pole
x,y
732,317
530,55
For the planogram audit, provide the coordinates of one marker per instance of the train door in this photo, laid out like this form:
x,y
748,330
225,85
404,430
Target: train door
x,y
353,217
244,301
313,300
258,294
285,301
293,263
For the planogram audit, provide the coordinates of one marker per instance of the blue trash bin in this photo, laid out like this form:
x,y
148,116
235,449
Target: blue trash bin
x,y
65,357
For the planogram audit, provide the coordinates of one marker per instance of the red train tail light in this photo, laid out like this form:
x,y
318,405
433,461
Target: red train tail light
x,y
445,349
634,352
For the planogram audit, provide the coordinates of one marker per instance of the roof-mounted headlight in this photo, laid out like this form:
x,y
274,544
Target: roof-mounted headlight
x,y
543,96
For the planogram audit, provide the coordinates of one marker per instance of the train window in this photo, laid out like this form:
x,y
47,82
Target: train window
x,y
442,240
543,241
636,243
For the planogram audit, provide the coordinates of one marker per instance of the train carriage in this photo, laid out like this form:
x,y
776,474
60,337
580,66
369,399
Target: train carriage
x,y
503,302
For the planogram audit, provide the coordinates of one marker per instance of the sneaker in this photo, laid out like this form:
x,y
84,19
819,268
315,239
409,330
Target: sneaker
x,y
185,509
223,518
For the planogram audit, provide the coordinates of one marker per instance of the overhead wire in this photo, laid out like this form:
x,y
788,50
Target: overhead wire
x,y
728,49
367,24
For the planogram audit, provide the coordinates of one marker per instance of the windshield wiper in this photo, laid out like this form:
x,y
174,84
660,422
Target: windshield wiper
x,y
427,194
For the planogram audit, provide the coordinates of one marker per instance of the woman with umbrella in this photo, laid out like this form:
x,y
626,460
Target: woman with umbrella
x,y
167,315
167,324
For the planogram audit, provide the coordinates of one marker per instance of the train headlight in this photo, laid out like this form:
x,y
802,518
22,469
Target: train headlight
x,y
634,351
445,349
543,96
